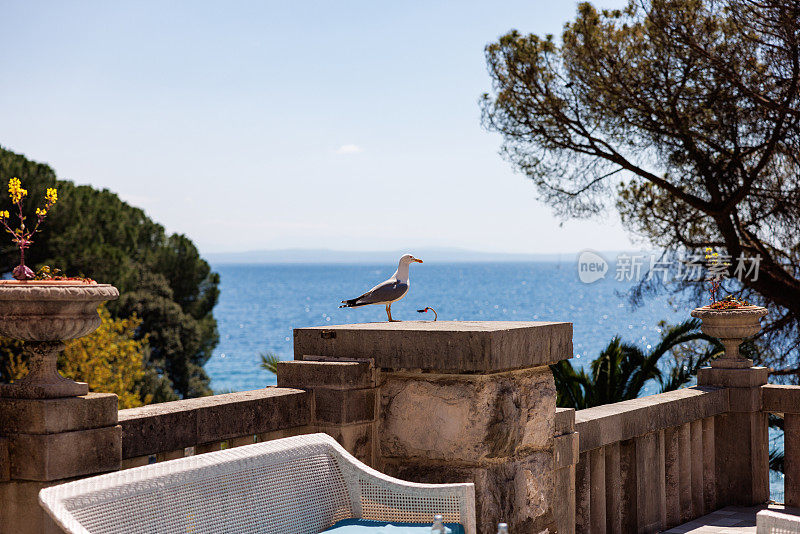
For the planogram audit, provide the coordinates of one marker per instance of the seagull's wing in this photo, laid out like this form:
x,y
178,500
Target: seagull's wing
x,y
387,291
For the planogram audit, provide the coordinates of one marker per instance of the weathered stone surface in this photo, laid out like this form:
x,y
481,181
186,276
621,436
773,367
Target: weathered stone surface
x,y
781,399
519,492
20,512
344,406
286,433
625,420
741,443
467,417
50,416
444,346
5,461
564,499
533,492
358,440
566,449
732,378
47,457
174,425
565,421
327,374
744,399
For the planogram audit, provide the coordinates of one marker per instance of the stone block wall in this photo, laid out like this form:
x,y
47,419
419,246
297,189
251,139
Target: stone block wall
x,y
493,429
343,400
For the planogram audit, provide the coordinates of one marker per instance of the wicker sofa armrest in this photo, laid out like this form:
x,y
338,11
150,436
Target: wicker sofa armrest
x,y
775,522
382,497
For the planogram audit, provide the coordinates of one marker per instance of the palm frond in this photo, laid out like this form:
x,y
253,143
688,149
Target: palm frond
x,y
269,362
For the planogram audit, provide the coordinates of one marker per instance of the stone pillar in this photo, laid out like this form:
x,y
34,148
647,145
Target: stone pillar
x,y
463,401
49,441
741,440
344,400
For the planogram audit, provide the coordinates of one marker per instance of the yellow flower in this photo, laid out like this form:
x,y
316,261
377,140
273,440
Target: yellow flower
x,y
51,196
4,215
40,212
15,190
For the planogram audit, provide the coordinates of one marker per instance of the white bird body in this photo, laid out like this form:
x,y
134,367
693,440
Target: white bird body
x,y
388,291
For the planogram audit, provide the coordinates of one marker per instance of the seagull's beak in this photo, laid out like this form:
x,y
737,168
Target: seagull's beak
x,y
417,260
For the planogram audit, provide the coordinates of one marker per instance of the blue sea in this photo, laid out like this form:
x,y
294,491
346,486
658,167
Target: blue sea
x,y
259,306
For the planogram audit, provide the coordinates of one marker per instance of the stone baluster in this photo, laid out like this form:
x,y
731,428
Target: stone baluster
x,y
583,494
629,494
696,457
597,497
791,462
651,502
613,489
709,467
672,476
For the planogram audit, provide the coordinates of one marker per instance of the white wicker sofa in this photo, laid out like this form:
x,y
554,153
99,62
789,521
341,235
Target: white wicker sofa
x,y
299,485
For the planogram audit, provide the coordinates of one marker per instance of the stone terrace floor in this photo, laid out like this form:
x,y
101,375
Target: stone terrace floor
x,y
730,520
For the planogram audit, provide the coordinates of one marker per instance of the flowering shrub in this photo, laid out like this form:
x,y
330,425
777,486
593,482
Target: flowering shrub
x,y
23,235
716,270
729,303
47,273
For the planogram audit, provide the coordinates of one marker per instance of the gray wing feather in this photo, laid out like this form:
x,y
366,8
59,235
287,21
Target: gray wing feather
x,y
388,291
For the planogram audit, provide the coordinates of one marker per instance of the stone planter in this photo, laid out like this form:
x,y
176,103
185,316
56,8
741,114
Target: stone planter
x,y
731,327
43,314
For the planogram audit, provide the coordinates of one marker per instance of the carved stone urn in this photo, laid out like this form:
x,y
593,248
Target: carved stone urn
x,y
43,314
731,327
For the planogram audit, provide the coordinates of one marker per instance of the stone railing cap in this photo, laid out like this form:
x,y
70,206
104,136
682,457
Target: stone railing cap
x,y
444,346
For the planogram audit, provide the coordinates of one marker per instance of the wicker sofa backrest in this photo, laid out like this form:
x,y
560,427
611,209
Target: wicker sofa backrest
x,y
289,485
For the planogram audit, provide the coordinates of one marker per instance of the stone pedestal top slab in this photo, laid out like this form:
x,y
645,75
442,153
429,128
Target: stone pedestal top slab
x,y
441,346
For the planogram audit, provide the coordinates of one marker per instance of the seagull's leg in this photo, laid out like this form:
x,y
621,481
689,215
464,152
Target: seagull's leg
x,y
389,313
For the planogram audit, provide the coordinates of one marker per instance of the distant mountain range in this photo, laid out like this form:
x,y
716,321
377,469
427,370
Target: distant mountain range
x,y
438,255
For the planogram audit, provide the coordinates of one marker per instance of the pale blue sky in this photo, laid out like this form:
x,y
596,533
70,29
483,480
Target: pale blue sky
x,y
252,125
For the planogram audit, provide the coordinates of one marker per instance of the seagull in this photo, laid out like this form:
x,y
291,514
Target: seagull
x,y
387,292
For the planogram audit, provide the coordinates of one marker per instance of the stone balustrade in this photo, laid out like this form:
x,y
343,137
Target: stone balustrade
x,y
647,464
442,402
784,401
